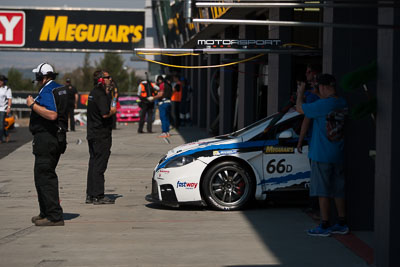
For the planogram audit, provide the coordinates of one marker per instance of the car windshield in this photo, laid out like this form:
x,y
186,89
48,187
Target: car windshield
x,y
128,102
251,126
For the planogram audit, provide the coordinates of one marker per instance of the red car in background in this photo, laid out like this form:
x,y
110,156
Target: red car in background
x,y
128,109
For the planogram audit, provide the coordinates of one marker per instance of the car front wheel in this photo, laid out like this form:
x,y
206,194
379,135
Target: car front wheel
x,y
228,186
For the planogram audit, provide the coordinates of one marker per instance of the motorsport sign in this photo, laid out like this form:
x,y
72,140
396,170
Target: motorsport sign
x,y
91,30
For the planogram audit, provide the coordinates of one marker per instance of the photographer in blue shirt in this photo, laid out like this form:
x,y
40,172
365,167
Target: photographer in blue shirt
x,y
327,172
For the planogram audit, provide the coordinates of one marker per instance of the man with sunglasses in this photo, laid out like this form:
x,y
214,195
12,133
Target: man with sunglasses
x,y
99,126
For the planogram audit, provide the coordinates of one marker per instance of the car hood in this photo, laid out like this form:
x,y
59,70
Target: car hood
x,y
128,107
201,144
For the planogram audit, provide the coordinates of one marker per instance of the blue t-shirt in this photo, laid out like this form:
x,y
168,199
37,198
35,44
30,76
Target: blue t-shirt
x,y
46,97
310,97
321,149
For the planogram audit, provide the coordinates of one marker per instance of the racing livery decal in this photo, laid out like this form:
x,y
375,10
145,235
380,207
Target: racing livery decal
x,y
286,179
225,152
278,150
186,185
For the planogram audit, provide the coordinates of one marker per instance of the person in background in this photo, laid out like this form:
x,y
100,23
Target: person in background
x,y
184,109
327,170
311,94
164,103
176,99
5,107
72,103
113,92
48,125
146,92
99,126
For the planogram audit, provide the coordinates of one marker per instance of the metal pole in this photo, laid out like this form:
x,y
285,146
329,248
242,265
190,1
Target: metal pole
x,y
287,5
290,23
212,51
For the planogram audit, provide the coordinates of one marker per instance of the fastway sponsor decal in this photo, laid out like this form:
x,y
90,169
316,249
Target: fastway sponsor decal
x,y
186,185
12,28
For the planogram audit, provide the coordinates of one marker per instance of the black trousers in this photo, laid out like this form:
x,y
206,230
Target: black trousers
x,y
47,153
146,109
175,107
99,150
71,113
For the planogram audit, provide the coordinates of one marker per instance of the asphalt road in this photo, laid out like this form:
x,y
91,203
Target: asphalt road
x,y
133,232
18,137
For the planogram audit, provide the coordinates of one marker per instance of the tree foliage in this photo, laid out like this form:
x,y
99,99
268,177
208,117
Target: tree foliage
x,y
17,83
82,77
114,64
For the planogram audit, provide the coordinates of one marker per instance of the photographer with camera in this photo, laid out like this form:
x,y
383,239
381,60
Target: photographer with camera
x,y
48,124
100,110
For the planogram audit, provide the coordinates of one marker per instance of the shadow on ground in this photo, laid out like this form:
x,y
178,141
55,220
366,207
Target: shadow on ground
x,y
18,137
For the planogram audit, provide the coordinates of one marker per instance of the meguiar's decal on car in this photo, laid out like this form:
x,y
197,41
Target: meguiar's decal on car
x,y
278,150
285,179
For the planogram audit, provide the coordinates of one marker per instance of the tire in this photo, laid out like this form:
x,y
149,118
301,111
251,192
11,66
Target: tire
x,y
228,186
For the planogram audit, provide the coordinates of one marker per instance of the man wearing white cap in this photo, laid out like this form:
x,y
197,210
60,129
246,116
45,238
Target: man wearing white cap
x,y
48,124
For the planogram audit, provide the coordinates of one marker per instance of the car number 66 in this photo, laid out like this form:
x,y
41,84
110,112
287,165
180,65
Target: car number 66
x,y
280,167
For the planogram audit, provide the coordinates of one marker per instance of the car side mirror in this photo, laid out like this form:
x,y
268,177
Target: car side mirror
x,y
285,134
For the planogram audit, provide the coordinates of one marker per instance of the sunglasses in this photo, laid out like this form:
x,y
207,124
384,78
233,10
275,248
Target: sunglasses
x,y
107,77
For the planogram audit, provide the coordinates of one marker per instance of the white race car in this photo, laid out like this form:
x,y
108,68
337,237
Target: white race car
x,y
226,172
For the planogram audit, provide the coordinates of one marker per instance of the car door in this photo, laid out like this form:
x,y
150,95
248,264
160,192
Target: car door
x,y
284,168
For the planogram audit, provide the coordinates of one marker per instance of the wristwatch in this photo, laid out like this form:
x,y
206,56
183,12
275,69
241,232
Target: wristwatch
x,y
31,105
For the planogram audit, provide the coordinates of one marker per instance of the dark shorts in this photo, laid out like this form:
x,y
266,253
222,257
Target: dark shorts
x,y
327,180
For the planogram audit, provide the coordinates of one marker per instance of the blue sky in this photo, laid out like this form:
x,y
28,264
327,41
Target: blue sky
x,y
23,60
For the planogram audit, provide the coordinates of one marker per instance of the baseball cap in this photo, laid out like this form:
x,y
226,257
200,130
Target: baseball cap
x,y
44,68
326,79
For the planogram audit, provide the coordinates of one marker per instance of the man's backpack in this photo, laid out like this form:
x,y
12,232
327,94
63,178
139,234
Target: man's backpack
x,y
335,124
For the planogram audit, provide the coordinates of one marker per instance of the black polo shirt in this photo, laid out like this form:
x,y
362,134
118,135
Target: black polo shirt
x,y
98,105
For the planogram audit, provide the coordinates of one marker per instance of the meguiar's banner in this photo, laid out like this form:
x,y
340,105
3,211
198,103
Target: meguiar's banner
x,y
91,30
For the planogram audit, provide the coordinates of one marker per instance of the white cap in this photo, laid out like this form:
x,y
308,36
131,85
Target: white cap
x,y
44,68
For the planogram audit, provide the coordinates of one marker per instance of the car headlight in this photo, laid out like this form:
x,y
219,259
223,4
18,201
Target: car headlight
x,y
180,161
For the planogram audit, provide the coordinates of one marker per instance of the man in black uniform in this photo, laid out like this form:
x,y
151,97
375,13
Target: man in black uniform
x,y
72,103
48,123
146,91
99,127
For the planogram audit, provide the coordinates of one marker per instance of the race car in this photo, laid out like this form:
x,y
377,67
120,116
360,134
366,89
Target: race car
x,y
128,109
226,172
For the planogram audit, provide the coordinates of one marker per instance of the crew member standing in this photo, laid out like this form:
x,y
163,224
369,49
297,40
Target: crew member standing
x,y
5,106
72,103
146,91
176,100
164,104
48,122
99,126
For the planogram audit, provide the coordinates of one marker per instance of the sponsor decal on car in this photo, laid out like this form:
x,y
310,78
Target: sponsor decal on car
x,y
186,185
279,150
224,152
286,178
